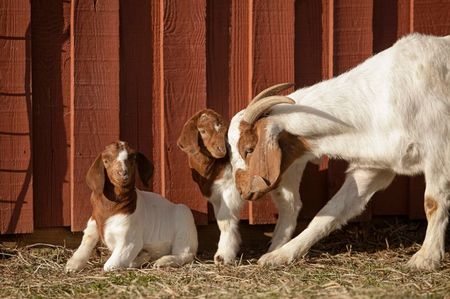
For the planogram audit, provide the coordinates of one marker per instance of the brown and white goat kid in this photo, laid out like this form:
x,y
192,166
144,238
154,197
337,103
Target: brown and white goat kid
x,y
204,140
389,115
137,226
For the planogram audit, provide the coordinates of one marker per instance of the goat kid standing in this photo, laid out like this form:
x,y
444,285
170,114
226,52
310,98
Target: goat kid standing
x,y
137,226
204,140
389,115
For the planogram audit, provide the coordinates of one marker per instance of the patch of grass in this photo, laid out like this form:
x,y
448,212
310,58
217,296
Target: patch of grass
x,y
365,260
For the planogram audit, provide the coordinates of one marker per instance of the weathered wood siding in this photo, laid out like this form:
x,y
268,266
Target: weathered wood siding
x,y
76,75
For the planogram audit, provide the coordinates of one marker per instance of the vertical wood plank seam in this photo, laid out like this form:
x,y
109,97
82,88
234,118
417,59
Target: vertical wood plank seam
x,y
330,39
72,108
411,16
250,49
250,76
161,98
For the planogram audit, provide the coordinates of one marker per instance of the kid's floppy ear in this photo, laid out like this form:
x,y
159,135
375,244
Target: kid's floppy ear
x,y
145,168
188,140
95,177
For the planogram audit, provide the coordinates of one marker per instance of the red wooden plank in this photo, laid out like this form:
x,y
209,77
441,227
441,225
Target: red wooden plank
x,y
273,62
95,93
184,60
352,44
136,85
51,112
431,17
157,124
240,48
391,20
218,19
312,37
16,186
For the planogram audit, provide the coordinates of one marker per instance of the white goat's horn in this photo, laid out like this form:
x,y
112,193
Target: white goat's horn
x,y
254,112
271,91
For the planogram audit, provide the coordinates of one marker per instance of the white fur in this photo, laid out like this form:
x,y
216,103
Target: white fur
x,y
122,157
157,230
227,204
390,114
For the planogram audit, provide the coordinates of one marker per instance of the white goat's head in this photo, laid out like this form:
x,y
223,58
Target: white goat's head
x,y
260,152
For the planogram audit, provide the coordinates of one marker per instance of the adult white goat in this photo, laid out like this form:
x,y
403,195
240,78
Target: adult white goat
x,y
390,114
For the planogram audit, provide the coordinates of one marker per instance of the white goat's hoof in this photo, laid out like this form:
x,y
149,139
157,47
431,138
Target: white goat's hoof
x,y
222,258
74,265
277,257
420,262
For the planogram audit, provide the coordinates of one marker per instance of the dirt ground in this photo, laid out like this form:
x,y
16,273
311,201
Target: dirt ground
x,y
363,260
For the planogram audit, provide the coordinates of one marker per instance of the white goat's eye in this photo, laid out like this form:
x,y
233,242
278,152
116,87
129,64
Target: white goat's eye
x,y
248,151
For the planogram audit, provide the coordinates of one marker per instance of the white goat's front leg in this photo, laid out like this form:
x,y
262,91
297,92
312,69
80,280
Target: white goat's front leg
x,y
350,201
185,243
123,255
82,254
227,211
287,199
437,203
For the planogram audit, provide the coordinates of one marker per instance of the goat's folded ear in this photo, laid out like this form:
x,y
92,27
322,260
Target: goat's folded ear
x,y
95,177
145,168
188,140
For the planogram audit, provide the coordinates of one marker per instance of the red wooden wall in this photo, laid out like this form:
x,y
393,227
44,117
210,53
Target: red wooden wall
x,y
75,75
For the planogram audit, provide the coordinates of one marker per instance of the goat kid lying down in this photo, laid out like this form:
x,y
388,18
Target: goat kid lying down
x,y
204,140
137,226
389,115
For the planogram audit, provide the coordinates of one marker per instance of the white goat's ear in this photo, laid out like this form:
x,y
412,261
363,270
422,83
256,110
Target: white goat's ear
x,y
188,140
267,160
95,177
145,168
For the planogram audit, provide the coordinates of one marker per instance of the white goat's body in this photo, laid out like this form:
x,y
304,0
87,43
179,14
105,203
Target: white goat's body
x,y
391,111
390,114
157,230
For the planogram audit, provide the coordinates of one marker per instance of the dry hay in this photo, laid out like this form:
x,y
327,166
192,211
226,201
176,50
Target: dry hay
x,y
361,261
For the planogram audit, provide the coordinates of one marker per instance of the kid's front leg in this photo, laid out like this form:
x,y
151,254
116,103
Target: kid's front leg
x,y
122,256
82,254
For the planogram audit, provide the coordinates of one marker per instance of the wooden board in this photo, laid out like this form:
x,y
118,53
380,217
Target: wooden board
x,y
16,169
352,45
430,17
95,93
51,112
157,100
312,38
391,21
272,63
184,62
136,80
240,89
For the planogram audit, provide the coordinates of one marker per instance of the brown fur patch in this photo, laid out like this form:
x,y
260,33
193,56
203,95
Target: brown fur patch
x,y
205,181
430,206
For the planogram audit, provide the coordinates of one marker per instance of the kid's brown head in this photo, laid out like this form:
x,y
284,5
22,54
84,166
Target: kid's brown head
x,y
203,139
119,161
